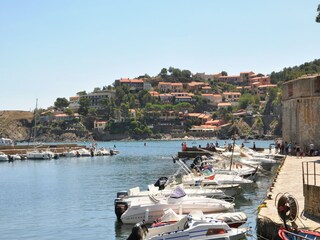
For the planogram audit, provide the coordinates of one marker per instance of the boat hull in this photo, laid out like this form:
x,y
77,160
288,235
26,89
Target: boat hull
x,y
150,212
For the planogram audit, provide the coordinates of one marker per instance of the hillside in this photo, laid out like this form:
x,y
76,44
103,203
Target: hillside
x,y
15,124
290,73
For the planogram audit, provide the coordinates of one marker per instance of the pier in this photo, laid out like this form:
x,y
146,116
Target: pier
x,y
299,177
23,149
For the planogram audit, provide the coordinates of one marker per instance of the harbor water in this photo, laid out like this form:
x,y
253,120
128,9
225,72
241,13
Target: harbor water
x,y
73,198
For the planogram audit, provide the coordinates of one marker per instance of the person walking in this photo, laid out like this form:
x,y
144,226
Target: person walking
x,y
311,152
289,148
298,150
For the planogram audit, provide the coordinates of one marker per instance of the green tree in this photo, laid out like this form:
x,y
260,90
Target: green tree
x,y
120,93
186,73
144,98
163,73
153,107
247,99
85,103
61,103
124,108
318,16
69,112
176,73
81,93
144,76
224,73
183,106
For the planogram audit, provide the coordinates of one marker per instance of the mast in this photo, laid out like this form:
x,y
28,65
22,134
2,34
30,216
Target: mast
x,y
234,142
35,121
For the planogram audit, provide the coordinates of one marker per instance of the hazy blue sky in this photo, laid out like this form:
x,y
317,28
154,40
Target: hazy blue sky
x,y
51,49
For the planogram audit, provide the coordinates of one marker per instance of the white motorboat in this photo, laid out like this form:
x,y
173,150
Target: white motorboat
x,y
103,152
233,219
224,166
192,226
150,208
6,142
15,157
3,157
195,191
258,160
84,152
209,176
214,179
72,153
39,155
114,151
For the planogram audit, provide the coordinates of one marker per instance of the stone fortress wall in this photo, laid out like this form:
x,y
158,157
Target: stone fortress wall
x,y
301,111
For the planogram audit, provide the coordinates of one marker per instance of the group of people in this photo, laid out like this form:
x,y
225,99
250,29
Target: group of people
x,y
295,149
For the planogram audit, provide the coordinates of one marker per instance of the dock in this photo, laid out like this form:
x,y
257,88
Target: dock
x,y
192,152
291,178
55,148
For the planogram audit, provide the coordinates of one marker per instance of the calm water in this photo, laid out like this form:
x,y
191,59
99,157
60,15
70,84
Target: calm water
x,y
72,198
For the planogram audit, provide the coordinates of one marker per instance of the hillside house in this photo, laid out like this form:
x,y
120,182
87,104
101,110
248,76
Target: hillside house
x,y
133,84
200,118
95,97
232,97
65,117
213,99
99,125
166,97
207,77
74,103
196,86
223,105
167,87
154,93
230,79
183,97
262,80
245,78
206,89
170,116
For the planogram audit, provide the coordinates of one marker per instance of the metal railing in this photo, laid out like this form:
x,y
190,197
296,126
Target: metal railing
x,y
311,173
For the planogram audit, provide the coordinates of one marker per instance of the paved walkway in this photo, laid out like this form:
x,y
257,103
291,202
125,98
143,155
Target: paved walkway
x,y
289,180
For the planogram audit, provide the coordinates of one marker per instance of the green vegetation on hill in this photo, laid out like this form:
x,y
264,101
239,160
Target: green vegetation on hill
x,y
294,72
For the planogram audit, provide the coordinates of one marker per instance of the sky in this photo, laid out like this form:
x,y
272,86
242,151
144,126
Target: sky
x,y
54,49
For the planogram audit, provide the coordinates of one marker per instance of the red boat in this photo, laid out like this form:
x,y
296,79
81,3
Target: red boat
x,y
298,235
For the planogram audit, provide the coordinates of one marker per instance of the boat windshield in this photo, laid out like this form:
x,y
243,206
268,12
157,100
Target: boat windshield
x,y
178,192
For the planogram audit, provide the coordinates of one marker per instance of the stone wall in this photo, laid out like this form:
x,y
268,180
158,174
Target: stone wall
x,y
301,111
311,200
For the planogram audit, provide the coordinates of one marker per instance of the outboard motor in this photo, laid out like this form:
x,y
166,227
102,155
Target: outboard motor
x,y
122,194
161,182
120,207
139,231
